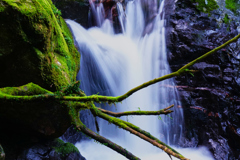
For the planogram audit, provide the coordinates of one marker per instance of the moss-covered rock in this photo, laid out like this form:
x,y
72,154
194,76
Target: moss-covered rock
x,y
35,45
233,5
52,150
38,119
26,123
63,148
226,19
206,6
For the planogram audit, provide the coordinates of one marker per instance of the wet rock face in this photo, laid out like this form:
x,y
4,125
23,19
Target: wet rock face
x,y
80,11
210,99
76,10
51,150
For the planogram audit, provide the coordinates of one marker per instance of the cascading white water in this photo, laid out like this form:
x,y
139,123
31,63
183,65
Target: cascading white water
x,y
112,64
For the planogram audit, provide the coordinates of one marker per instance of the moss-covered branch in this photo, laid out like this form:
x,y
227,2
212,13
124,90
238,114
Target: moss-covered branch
x,y
78,100
127,113
99,98
81,127
138,132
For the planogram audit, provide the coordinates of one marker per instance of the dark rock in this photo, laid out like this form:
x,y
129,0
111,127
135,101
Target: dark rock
x,y
51,150
210,98
2,154
35,46
75,10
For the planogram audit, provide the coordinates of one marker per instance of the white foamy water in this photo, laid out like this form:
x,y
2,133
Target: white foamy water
x,y
112,64
94,151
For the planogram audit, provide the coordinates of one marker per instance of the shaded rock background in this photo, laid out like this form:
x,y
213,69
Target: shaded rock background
x,y
210,99
2,154
76,10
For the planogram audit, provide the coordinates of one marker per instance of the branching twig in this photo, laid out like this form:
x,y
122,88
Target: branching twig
x,y
138,132
99,98
162,111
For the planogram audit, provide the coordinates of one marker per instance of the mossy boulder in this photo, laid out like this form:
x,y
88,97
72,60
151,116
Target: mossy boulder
x,y
52,150
26,123
38,119
35,45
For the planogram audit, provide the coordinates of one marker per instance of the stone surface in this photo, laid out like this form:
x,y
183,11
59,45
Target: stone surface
x,y
76,10
51,150
35,45
2,154
210,98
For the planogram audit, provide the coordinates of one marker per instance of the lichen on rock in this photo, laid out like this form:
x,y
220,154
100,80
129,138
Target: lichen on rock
x,y
35,45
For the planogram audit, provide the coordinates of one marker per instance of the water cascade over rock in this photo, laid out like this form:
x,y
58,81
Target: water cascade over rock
x,y
112,64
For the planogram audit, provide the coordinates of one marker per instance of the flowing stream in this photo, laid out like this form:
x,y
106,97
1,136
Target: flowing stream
x,y
112,64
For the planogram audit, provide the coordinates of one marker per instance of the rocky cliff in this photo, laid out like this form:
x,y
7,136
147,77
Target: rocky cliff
x,y
210,98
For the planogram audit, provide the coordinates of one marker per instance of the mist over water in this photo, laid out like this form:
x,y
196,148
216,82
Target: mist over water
x,y
112,64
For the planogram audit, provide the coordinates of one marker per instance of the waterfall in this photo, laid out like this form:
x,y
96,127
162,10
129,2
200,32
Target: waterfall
x,y
112,64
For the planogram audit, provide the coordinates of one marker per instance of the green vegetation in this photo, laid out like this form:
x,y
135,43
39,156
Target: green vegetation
x,y
77,101
56,12
233,5
64,148
226,19
41,40
206,8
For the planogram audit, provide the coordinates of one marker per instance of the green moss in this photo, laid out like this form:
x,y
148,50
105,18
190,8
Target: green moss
x,y
233,5
64,148
28,89
226,19
42,40
206,8
56,12
2,7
